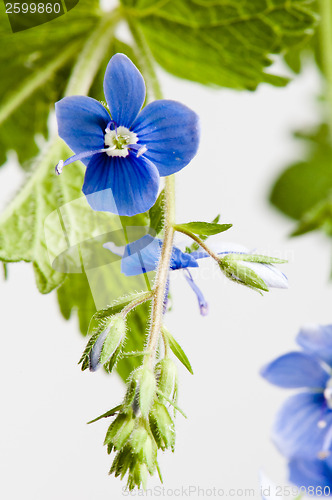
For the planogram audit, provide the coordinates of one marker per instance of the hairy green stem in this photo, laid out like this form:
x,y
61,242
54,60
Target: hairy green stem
x,y
145,59
159,289
136,302
92,55
326,49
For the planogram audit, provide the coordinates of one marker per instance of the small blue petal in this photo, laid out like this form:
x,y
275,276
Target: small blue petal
x,y
124,90
81,123
124,186
203,305
141,256
312,473
295,370
317,340
297,431
170,131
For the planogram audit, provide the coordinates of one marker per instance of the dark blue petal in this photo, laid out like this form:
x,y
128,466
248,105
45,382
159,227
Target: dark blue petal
x,y
124,186
181,260
298,431
295,370
170,131
141,256
124,90
81,123
313,473
317,340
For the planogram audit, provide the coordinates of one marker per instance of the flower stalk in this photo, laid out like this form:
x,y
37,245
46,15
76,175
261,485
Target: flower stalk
x,y
162,272
93,53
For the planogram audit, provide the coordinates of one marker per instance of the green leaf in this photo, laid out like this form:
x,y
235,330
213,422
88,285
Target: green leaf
x,y
222,43
177,350
37,63
44,221
306,186
203,228
157,213
75,295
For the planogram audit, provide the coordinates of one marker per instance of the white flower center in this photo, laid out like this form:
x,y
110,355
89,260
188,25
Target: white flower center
x,y
119,141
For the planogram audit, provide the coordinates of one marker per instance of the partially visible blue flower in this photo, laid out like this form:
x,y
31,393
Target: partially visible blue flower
x,y
126,150
312,473
303,428
143,255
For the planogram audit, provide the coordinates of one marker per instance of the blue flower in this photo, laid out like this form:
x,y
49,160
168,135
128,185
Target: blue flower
x,y
142,256
124,149
303,428
312,473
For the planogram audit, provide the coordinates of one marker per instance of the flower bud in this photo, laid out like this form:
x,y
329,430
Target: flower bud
x,y
162,426
120,429
147,390
144,447
167,377
107,342
254,271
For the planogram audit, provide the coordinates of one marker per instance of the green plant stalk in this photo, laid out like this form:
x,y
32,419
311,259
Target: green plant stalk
x,y
92,55
200,242
145,58
326,50
136,302
159,289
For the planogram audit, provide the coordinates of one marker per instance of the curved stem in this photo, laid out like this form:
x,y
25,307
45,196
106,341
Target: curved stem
x,y
136,302
162,272
198,241
326,49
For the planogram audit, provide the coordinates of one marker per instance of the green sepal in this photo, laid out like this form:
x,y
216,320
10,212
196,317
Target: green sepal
x,y
203,228
116,332
239,273
144,446
85,356
162,426
167,375
261,259
147,390
114,359
109,413
177,350
120,429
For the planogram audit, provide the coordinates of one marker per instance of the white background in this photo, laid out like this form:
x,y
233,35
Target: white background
x,y
46,449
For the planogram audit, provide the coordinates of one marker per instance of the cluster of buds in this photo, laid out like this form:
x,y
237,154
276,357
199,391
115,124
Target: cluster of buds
x,y
143,423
